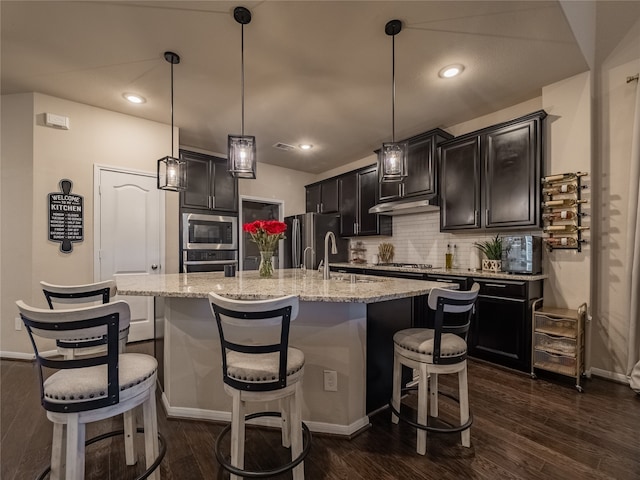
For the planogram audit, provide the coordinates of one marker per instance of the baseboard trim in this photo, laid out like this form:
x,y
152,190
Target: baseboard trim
x,y
30,357
218,416
616,377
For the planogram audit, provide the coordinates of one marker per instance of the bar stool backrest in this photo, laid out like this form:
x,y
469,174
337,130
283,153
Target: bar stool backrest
x,y
76,294
94,321
255,328
454,309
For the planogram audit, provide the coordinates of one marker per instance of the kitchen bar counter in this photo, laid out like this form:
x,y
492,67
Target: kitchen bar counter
x,y
247,285
341,326
456,272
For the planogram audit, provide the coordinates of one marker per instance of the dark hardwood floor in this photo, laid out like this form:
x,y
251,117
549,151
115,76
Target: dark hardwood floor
x,y
523,429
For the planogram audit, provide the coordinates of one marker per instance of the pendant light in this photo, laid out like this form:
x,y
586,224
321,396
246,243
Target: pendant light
x,y
242,148
172,172
392,160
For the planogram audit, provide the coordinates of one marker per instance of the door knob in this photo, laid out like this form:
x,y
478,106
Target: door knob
x,y
154,267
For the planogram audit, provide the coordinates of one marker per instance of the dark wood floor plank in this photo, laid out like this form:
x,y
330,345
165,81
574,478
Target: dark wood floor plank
x,y
523,429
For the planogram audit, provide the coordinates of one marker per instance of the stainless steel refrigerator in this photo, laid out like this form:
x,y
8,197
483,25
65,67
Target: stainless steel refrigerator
x,y
306,232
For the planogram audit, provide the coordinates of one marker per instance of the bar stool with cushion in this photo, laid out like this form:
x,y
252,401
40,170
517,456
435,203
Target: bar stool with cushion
x,y
259,366
432,352
92,388
74,296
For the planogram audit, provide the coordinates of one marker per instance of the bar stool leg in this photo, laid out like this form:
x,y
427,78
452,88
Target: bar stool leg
x,y
129,424
423,378
433,393
151,433
237,433
464,404
397,378
75,448
285,412
58,452
296,431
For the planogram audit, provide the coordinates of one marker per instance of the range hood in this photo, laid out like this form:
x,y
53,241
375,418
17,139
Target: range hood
x,y
422,204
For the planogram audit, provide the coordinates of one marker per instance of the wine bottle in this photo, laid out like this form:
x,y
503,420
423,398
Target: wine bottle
x,y
448,258
563,228
560,215
561,241
562,177
565,202
557,189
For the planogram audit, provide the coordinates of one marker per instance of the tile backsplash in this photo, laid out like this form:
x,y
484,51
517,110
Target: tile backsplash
x,y
417,239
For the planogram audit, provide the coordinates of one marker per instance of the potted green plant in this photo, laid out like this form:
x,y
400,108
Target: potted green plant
x,y
492,249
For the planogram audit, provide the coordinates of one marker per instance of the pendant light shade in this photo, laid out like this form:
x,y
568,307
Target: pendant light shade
x,y
172,172
392,160
242,148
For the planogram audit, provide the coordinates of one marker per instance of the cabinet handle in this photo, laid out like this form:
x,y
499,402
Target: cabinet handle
x,y
213,202
355,228
317,208
443,280
402,189
321,207
208,201
475,216
495,285
486,217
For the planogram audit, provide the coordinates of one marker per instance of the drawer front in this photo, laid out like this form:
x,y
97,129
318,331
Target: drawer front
x,y
563,364
558,345
565,327
461,281
502,288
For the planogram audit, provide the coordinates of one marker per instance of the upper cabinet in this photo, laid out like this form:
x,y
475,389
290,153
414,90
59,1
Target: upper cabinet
x,y
422,168
491,178
209,184
322,197
358,192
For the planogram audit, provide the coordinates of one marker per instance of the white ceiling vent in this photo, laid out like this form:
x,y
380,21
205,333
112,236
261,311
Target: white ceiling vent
x,y
284,146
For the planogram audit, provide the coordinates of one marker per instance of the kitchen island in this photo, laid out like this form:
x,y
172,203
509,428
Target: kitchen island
x,y
344,325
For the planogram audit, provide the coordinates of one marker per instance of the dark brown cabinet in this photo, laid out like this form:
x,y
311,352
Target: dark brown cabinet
x,y
422,168
358,193
491,178
209,184
322,197
501,328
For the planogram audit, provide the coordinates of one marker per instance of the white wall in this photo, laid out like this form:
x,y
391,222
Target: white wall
x,y
37,158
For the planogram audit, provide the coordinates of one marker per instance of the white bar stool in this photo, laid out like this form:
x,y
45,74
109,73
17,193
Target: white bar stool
x,y
93,388
259,366
432,352
79,296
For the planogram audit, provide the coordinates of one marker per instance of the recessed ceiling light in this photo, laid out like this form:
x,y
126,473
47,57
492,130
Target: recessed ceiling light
x,y
305,146
134,98
451,71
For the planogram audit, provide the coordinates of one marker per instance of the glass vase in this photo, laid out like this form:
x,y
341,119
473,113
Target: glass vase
x,y
266,263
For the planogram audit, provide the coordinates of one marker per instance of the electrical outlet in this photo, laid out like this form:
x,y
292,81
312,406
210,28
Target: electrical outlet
x,y
18,323
330,381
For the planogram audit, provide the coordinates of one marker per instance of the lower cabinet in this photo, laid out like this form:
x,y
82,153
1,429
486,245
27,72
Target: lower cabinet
x,y
501,328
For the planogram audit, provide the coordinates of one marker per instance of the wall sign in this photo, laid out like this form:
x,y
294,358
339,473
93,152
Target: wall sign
x,y
66,217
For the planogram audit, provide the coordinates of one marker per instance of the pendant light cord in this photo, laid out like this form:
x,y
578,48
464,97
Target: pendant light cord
x,y
172,110
242,76
393,89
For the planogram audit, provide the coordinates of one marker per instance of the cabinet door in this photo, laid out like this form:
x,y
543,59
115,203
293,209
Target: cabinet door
x,y
421,174
511,176
313,198
329,196
369,223
225,187
198,192
460,184
500,332
348,187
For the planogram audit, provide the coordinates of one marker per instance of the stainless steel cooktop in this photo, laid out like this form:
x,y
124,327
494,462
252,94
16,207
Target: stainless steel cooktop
x,y
422,266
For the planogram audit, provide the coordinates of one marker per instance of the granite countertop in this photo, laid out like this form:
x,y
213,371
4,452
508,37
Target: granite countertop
x,y
247,285
456,272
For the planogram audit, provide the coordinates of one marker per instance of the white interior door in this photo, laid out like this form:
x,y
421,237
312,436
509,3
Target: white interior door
x,y
129,237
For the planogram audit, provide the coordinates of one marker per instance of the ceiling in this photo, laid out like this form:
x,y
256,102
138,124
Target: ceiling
x,y
316,72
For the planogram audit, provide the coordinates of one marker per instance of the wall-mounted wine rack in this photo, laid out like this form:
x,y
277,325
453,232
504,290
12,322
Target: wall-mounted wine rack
x,y
562,213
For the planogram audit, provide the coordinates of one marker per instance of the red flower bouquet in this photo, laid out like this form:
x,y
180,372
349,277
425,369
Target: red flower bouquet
x,y
265,234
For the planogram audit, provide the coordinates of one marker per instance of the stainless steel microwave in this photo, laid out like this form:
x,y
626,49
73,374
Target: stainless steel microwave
x,y
522,254
209,232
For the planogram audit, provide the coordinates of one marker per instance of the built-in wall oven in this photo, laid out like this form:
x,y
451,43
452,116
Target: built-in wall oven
x,y
209,242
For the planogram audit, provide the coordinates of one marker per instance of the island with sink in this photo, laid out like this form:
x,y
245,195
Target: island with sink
x,y
345,325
